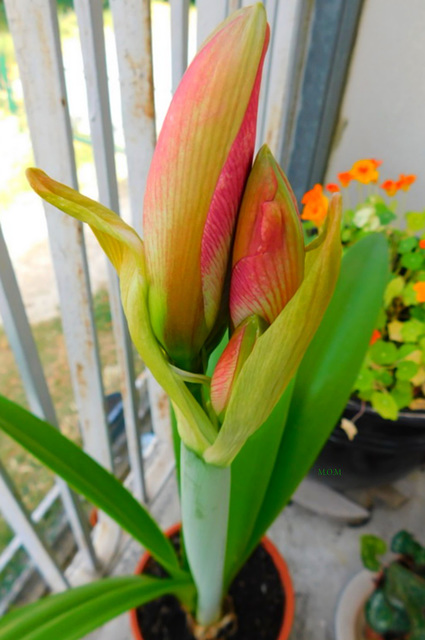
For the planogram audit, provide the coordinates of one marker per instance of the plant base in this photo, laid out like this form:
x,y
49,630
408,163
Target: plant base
x,y
260,604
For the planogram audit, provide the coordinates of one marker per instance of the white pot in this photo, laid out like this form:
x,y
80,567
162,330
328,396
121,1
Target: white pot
x,y
348,612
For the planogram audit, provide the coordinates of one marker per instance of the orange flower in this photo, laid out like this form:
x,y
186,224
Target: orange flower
x,y
376,162
422,244
376,335
391,187
419,287
316,205
364,171
332,187
405,182
345,178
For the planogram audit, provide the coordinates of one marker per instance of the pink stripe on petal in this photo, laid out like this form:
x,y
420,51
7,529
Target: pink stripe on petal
x,y
225,371
222,214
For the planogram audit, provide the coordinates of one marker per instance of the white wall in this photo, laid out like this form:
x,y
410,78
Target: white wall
x,y
383,109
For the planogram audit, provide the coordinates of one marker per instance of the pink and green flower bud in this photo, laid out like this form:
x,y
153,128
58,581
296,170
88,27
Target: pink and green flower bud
x,y
196,180
231,361
268,254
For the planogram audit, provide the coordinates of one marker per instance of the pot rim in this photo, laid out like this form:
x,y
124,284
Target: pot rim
x,y
279,563
351,599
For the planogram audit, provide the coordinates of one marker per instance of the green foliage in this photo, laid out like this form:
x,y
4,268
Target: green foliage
x,y
371,547
73,614
87,477
396,607
392,376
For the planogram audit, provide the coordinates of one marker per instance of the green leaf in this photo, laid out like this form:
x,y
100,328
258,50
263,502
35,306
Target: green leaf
x,y
412,330
384,214
74,613
327,373
371,547
412,261
385,377
415,221
393,290
407,244
87,477
251,472
382,352
365,380
385,405
409,295
406,370
405,350
402,394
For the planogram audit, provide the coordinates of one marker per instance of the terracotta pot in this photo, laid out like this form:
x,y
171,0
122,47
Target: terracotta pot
x,y
280,565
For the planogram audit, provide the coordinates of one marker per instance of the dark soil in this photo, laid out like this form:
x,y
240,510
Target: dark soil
x,y
256,595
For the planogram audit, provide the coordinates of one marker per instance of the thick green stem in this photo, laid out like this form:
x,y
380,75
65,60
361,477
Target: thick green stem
x,y
205,497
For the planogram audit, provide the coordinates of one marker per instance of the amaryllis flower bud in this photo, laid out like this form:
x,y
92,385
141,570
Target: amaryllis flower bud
x,y
198,173
268,255
231,361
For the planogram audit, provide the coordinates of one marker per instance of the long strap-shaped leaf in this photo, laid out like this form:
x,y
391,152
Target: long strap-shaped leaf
x,y
88,478
71,615
327,372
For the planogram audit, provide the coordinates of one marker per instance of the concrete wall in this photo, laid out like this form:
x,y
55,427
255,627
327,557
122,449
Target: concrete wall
x,y
383,109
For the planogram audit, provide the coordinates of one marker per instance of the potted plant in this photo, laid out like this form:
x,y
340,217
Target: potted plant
x,y
390,602
224,319
383,427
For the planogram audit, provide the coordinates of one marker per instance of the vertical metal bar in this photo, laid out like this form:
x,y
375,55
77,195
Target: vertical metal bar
x,y
271,8
132,23
333,26
21,340
179,40
19,520
286,26
90,21
34,28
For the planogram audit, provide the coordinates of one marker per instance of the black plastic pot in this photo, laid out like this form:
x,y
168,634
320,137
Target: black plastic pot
x,y
382,451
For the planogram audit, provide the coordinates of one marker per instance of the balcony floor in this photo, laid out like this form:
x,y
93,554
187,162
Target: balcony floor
x,y
322,554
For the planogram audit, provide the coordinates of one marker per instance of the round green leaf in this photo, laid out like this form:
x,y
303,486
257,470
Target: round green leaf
x,y
415,221
412,330
407,244
383,352
412,261
406,370
385,405
365,380
402,394
409,295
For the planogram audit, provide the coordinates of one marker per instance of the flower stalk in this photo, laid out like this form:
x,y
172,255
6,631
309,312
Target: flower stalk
x,y
205,497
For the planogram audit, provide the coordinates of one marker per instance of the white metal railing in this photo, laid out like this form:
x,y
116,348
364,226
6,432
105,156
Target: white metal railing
x,y
34,28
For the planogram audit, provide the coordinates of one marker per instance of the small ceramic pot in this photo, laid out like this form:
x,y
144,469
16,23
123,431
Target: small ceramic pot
x,y
349,618
281,568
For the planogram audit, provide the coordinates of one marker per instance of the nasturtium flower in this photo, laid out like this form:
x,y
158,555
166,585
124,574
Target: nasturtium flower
x,y
405,182
422,243
365,171
332,187
315,205
390,187
376,335
345,178
419,288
